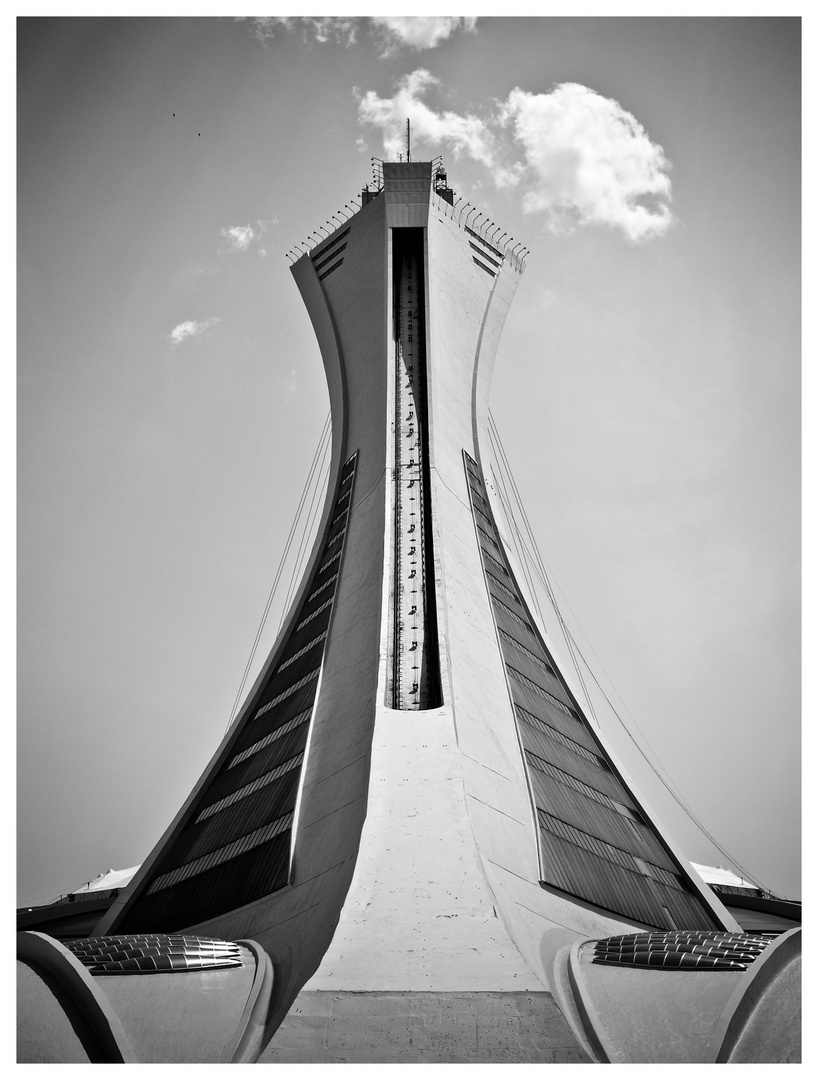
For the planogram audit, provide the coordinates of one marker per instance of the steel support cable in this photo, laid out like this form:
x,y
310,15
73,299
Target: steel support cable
x,y
279,570
504,464
315,508
541,572
307,534
664,780
654,767
502,493
539,567
522,556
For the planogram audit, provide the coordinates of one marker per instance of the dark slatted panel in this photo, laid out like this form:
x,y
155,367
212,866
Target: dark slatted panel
x,y
275,718
283,683
683,906
543,679
255,873
569,724
235,843
546,708
265,805
620,801
572,763
258,764
591,878
584,813
526,656
595,843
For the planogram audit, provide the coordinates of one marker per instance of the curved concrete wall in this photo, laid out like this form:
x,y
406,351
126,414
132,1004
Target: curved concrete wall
x,y
294,925
349,312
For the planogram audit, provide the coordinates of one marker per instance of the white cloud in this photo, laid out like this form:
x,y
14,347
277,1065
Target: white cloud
x,y
390,32
464,134
240,237
578,158
418,32
190,328
589,162
342,31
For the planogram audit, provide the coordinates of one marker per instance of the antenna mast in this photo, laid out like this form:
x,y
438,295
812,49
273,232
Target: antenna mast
x,y
408,141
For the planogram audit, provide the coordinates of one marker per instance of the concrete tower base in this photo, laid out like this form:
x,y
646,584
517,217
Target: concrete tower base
x,y
421,969
424,1028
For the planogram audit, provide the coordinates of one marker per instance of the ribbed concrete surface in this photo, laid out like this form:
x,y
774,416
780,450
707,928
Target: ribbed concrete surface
x,y
402,1028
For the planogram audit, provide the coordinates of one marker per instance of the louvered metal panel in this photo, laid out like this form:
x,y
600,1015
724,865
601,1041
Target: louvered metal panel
x,y
305,640
258,728
684,908
590,816
525,667
257,745
266,805
283,683
591,878
260,763
571,727
572,763
256,872
619,801
548,706
595,843
243,816
522,649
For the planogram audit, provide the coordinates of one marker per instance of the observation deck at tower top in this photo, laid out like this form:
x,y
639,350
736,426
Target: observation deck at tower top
x,y
402,179
409,188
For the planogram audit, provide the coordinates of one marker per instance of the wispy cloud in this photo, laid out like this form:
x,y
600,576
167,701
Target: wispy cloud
x,y
341,31
577,157
391,33
240,237
417,32
191,328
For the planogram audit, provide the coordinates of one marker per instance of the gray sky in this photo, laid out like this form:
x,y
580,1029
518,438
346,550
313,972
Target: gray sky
x,y
171,393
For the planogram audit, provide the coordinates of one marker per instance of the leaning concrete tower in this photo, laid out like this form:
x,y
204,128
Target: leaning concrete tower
x,y
412,817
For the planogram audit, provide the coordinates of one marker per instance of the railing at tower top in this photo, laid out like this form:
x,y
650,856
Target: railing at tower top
x,y
466,216
324,232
